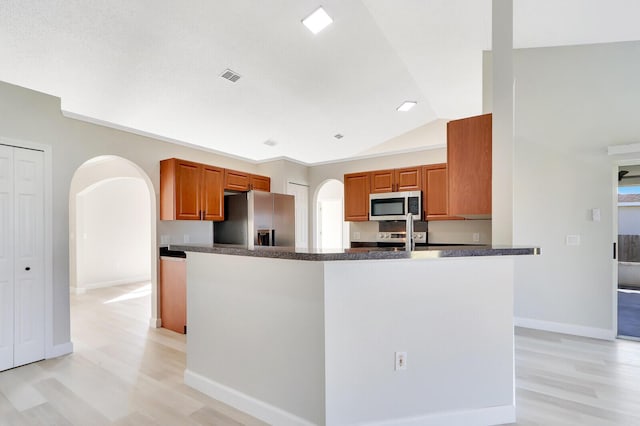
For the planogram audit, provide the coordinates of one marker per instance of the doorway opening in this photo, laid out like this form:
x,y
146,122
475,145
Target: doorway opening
x,y
330,225
112,224
628,252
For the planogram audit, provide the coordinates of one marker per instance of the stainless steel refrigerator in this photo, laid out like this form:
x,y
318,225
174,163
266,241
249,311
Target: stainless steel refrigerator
x,y
257,218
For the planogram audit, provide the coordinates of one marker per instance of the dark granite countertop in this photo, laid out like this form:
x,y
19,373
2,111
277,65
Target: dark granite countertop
x,y
165,252
360,253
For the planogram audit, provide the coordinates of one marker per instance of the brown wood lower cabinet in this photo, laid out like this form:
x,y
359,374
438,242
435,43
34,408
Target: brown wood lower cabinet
x,y
173,293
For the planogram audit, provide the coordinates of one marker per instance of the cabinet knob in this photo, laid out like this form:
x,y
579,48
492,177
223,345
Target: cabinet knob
x,y
28,268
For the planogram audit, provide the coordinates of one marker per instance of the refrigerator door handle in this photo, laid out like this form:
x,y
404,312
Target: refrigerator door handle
x,y
273,237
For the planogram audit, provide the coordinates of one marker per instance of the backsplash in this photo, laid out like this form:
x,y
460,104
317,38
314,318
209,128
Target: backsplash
x,y
459,232
363,231
439,231
367,231
184,231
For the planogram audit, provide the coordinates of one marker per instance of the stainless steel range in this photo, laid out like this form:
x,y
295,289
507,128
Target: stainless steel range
x,y
400,238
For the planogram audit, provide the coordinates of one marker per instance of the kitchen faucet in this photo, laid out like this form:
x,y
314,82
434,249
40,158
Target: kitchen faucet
x,y
409,243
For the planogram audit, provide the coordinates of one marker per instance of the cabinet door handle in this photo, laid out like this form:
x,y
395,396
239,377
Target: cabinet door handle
x,y
28,268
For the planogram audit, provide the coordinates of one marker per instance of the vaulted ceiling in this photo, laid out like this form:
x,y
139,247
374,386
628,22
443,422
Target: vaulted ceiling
x,y
153,66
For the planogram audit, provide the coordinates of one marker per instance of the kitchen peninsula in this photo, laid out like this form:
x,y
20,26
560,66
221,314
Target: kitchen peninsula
x,y
314,337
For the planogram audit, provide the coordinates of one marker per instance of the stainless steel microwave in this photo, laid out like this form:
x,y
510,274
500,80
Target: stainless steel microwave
x,y
395,205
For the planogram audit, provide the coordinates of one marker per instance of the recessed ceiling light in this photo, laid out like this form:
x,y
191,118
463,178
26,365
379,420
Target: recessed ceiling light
x,y
338,136
317,21
407,106
270,142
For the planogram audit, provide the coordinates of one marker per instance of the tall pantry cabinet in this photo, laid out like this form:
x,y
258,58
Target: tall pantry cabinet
x,y
469,166
22,320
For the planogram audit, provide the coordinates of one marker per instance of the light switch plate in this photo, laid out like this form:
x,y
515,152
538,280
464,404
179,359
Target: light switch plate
x,y
573,240
401,360
595,215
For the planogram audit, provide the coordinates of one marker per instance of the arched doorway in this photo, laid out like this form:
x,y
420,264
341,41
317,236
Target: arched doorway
x,y
330,225
112,225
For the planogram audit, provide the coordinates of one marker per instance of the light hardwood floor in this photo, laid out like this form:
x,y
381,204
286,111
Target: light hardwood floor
x,y
121,372
568,380
124,373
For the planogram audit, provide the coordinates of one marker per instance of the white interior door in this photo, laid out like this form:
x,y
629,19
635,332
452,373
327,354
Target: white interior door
x,y
301,194
22,263
6,258
29,256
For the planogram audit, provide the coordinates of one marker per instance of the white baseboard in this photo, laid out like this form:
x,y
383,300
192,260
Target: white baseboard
x,y
155,322
477,417
558,327
112,283
276,416
255,407
59,350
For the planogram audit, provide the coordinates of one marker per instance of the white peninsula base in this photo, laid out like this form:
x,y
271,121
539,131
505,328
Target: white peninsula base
x,y
296,342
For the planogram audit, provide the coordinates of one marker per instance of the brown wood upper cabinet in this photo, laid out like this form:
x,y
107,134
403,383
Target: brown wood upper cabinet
x,y
191,191
435,192
241,181
435,195
405,179
469,166
356,197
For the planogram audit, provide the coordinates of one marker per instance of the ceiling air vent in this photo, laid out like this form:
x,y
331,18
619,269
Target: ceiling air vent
x,y
232,76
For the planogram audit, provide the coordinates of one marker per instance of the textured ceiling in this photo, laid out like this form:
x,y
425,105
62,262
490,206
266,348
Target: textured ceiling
x,y
153,65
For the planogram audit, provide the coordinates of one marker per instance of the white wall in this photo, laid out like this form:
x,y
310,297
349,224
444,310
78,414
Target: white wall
x,y
113,233
256,330
453,318
31,116
432,134
283,171
570,104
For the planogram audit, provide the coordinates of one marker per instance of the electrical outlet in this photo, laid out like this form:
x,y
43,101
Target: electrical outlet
x,y
476,237
356,235
186,238
401,361
165,239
